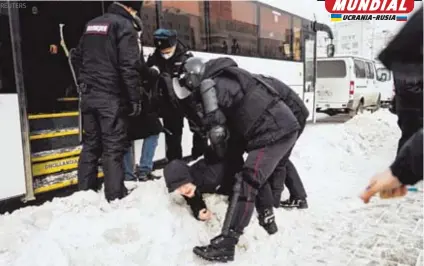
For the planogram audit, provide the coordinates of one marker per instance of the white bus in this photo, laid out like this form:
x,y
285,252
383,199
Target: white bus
x,y
38,110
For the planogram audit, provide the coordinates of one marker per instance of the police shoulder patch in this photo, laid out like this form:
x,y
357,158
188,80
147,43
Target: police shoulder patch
x,y
97,28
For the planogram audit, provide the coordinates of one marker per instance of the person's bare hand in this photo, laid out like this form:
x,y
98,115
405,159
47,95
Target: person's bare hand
x,y
386,184
205,215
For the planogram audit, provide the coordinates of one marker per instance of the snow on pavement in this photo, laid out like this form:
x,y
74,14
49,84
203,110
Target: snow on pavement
x,y
150,227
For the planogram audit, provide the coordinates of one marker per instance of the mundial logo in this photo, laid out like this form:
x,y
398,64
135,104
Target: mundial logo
x,y
370,7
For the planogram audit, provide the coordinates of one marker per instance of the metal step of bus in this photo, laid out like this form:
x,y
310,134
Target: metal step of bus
x,y
47,140
55,154
68,103
57,181
54,121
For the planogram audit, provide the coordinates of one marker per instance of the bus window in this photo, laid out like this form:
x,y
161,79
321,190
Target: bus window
x,y
275,34
188,19
148,16
233,27
297,39
7,74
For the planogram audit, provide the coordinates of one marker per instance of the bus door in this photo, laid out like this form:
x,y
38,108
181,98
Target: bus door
x,y
12,175
309,75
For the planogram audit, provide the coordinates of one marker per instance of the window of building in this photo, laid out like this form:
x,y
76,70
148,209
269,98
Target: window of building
x,y
233,27
360,71
148,16
275,34
297,39
187,18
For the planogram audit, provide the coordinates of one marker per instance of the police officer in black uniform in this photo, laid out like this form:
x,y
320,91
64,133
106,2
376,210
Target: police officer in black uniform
x,y
236,102
168,57
107,61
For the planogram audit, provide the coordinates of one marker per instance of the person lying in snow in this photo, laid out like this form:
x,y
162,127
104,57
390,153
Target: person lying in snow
x,y
235,102
211,175
208,175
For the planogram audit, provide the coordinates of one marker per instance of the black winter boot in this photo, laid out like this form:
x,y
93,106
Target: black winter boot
x,y
221,248
143,176
294,203
153,177
267,221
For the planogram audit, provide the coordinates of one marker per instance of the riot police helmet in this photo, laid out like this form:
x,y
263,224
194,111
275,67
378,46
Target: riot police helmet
x,y
189,78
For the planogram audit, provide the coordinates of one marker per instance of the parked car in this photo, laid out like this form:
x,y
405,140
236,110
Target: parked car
x,y
386,85
347,84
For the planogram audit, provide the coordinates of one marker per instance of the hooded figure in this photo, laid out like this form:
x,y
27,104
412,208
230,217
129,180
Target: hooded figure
x,y
235,102
404,56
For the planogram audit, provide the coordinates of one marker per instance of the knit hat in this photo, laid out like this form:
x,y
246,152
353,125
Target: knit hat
x,y
176,174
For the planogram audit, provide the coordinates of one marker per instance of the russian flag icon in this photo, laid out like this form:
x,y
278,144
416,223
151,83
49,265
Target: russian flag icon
x,y
401,18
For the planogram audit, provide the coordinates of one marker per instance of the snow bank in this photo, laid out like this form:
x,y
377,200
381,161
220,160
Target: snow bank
x,y
372,133
150,227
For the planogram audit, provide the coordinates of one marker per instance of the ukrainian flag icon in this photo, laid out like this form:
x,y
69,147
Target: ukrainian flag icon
x,y
336,17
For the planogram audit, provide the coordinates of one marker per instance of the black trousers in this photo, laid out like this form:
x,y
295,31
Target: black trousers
x,y
291,178
174,124
293,183
261,165
105,137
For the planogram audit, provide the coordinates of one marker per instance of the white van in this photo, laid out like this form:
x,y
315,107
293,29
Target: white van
x,y
346,84
386,85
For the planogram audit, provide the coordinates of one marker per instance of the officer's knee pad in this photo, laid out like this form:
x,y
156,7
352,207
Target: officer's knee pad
x,y
247,192
249,178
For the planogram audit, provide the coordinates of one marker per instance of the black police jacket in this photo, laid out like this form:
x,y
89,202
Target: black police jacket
x,y
290,98
249,108
107,58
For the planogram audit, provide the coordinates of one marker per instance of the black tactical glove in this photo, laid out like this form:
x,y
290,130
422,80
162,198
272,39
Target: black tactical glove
x,y
135,108
218,136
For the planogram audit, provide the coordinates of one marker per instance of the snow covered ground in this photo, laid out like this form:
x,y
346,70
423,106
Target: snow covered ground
x,y
149,227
